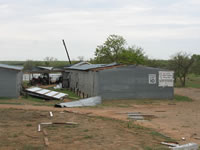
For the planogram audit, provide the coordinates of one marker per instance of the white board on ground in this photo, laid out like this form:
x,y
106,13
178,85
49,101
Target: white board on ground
x,y
166,79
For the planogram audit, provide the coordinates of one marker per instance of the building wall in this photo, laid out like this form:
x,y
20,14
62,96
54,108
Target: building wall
x,y
19,83
9,83
131,83
84,81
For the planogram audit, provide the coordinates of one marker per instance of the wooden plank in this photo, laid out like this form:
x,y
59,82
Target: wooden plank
x,y
45,132
46,141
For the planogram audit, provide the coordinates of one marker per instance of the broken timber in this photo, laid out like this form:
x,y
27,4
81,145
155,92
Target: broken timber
x,y
50,123
45,93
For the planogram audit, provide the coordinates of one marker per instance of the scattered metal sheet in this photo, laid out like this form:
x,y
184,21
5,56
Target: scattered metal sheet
x,y
140,116
92,101
136,117
169,144
176,146
189,146
45,94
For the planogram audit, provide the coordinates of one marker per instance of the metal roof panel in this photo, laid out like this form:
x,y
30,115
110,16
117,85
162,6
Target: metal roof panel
x,y
11,67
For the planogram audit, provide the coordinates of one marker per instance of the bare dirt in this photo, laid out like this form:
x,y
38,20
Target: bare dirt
x,y
173,119
18,131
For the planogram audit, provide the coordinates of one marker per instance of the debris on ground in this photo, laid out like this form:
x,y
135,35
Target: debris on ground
x,y
45,93
46,141
45,132
195,136
58,86
139,116
189,146
183,138
170,144
50,123
92,101
51,114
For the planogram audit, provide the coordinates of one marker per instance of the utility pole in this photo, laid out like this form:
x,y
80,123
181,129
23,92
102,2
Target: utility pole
x,y
66,52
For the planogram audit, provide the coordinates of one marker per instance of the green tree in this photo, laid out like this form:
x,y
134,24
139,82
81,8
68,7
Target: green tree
x,y
132,55
48,61
181,64
29,64
196,65
115,49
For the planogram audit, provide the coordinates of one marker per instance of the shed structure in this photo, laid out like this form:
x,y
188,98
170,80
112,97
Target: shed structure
x,y
10,81
114,81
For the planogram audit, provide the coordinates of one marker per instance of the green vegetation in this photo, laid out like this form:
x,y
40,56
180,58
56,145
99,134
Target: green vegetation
x,y
29,125
88,137
180,98
192,81
31,147
114,49
33,99
130,124
71,95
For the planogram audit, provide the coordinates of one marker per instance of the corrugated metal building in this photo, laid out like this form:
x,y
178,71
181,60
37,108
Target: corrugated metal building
x,y
114,81
10,81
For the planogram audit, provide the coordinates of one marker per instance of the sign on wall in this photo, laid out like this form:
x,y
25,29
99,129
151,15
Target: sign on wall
x,y
152,78
166,78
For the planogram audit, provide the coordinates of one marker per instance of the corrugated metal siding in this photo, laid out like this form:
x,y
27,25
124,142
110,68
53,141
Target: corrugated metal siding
x,y
84,81
10,83
131,83
126,82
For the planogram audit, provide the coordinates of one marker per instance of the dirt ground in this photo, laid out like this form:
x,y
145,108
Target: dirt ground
x,y
96,131
18,128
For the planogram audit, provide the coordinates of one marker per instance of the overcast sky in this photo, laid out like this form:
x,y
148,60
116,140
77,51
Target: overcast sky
x,y
33,29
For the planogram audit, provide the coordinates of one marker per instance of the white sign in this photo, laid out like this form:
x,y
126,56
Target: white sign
x,y
152,78
166,78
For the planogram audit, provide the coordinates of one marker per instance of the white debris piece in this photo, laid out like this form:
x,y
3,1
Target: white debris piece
x,y
51,114
58,86
189,146
45,93
39,128
92,101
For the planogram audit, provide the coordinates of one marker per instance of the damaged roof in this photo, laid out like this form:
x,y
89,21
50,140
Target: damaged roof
x,y
85,67
11,67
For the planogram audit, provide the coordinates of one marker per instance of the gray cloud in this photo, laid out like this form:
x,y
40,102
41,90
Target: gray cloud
x,y
33,29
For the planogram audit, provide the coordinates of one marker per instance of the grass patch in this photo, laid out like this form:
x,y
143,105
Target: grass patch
x,y
11,103
71,94
180,98
33,99
88,137
86,130
192,81
31,147
159,135
29,125
130,124
5,98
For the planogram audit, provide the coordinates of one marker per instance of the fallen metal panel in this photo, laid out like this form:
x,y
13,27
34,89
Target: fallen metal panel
x,y
45,94
52,93
92,101
59,95
189,146
43,91
33,89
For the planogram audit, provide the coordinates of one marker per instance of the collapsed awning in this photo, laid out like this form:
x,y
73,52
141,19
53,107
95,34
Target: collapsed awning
x,y
92,101
45,93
